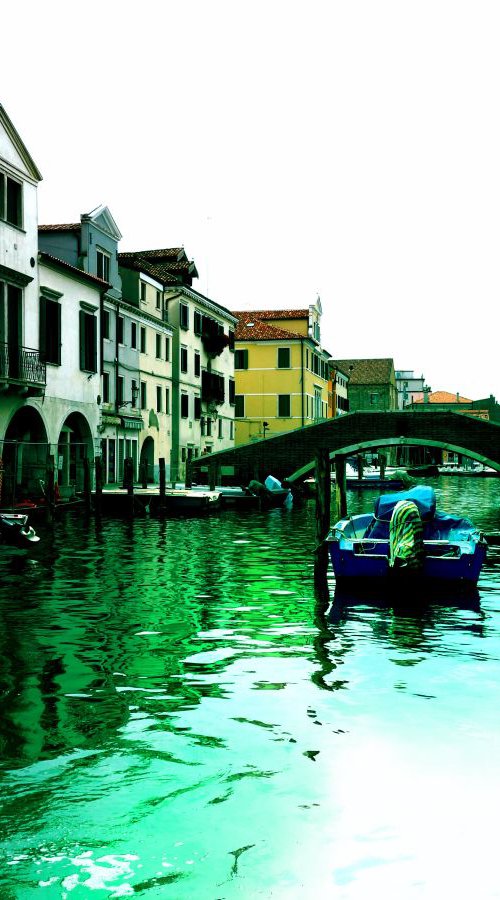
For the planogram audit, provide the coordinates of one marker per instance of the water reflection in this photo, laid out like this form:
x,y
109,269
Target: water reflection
x,y
183,683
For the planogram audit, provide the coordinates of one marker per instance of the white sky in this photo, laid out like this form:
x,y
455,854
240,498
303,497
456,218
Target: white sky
x,y
347,149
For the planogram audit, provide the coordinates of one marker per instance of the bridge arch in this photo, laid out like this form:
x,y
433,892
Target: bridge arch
x,y
291,456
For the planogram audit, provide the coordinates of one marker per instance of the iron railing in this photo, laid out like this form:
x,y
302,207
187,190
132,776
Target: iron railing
x,y
22,364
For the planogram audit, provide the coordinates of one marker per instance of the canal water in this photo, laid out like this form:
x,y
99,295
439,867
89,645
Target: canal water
x,y
180,720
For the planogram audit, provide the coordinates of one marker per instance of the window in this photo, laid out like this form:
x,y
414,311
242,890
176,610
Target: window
x,y
184,315
284,405
50,330
11,200
373,399
102,265
119,387
231,391
105,387
230,335
197,407
283,357
241,359
231,430
197,364
133,336
167,401
202,426
135,392
183,454
220,428
158,300
184,359
105,323
88,341
239,406
184,406
143,291
167,349
143,339
208,426
144,397
197,322
159,393
119,329
158,346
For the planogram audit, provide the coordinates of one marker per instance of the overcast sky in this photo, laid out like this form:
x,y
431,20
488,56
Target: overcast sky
x,y
349,150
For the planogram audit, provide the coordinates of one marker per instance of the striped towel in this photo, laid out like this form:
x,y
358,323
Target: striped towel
x,y
406,546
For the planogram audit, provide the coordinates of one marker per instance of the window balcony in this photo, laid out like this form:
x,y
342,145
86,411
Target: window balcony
x,y
22,370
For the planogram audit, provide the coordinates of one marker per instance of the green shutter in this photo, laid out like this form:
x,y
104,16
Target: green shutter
x,y
94,344
43,328
82,340
58,335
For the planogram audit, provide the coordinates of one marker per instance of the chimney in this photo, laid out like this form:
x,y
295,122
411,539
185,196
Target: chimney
x,y
458,397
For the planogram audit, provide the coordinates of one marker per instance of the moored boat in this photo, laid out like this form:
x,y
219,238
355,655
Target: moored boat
x,y
14,529
446,548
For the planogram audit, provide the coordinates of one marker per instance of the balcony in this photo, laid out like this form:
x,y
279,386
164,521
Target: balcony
x,y
22,370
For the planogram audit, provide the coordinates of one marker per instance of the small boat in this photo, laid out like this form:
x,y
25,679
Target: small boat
x,y
446,548
14,529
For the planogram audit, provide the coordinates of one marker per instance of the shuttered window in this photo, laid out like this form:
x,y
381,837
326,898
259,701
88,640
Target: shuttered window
x,y
50,331
88,341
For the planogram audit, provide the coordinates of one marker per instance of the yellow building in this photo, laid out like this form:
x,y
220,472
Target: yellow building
x,y
281,372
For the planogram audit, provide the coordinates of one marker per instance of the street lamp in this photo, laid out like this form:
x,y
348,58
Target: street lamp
x,y
265,426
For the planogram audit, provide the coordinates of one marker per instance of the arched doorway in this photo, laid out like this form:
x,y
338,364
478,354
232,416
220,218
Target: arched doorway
x,y
25,457
147,461
73,447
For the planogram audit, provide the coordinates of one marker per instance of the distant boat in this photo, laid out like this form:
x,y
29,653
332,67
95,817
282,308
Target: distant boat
x,y
360,546
14,529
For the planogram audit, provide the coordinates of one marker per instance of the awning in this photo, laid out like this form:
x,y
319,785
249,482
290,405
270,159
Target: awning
x,y
132,422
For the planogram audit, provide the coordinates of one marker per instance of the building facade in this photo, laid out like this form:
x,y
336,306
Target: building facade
x,y
372,384
283,375
409,387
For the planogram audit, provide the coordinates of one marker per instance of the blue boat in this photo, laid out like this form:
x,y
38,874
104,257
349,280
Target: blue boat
x,y
449,548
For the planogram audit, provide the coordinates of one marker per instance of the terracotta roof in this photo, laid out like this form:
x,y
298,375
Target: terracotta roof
x,y
249,328
271,314
443,397
169,262
175,253
49,258
367,371
72,226
141,265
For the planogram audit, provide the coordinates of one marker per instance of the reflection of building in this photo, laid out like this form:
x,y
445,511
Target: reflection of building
x,y
282,372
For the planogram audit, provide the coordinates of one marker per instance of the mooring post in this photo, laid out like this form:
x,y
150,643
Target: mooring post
x,y
98,486
188,480
87,489
323,499
383,460
128,482
340,487
144,474
50,489
212,474
360,466
161,463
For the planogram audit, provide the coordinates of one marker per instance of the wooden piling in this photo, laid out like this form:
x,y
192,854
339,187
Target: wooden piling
x,y
87,488
323,499
212,474
188,480
340,487
143,474
382,461
128,482
161,463
360,466
98,486
50,494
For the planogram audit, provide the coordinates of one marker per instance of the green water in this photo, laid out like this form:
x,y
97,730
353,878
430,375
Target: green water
x,y
180,721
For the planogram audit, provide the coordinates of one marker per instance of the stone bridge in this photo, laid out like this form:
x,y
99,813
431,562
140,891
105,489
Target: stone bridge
x,y
292,455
